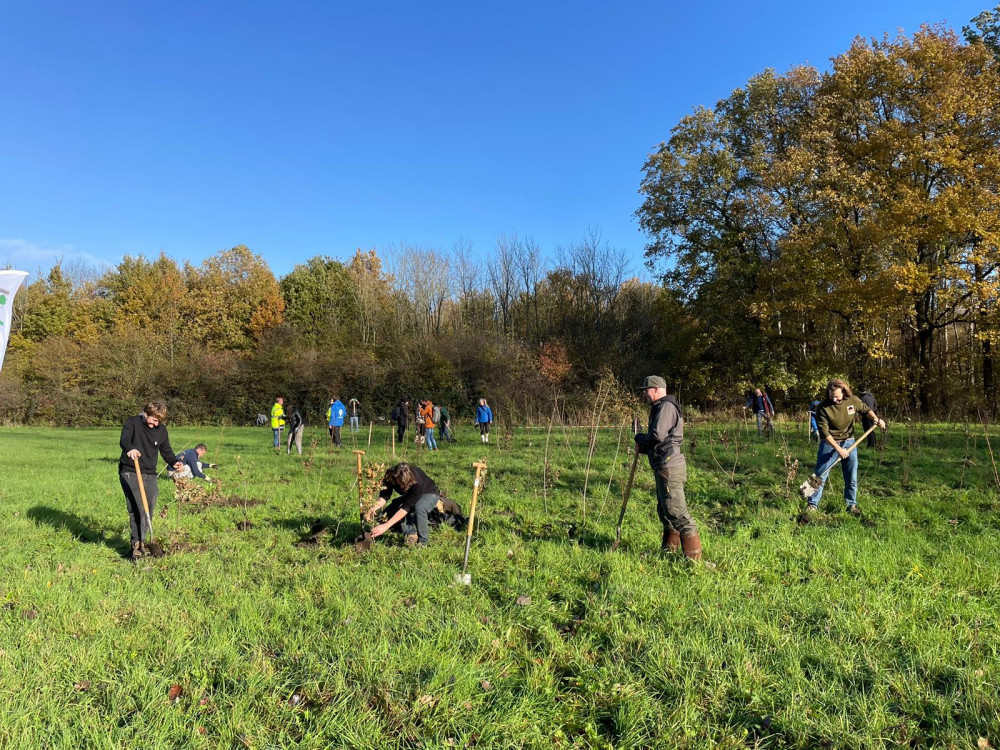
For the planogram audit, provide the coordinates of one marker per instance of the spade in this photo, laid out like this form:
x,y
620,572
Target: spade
x,y
154,549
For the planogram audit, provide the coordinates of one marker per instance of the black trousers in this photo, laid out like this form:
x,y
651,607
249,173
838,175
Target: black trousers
x,y
133,501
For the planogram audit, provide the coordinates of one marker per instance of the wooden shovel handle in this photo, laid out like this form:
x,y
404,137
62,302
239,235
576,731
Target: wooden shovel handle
x,y
142,494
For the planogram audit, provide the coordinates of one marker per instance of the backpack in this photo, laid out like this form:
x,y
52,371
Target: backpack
x,y
395,413
436,414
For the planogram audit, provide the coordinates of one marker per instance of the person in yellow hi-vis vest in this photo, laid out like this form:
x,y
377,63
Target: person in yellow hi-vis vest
x,y
277,419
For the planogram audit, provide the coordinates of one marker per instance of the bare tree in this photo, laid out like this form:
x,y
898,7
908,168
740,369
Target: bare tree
x,y
527,259
502,276
421,275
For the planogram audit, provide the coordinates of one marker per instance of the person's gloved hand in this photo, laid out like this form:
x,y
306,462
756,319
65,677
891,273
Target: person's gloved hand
x,y
207,478
212,466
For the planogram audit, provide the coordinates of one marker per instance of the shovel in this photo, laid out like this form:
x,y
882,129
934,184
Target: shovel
x,y
628,491
464,578
809,487
155,549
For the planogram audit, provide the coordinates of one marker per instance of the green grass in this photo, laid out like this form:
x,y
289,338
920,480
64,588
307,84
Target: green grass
x,y
839,633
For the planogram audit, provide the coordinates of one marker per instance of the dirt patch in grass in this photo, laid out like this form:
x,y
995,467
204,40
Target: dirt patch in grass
x,y
197,494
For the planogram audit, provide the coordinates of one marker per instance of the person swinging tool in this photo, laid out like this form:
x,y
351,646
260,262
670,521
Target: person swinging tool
x,y
662,446
418,496
835,417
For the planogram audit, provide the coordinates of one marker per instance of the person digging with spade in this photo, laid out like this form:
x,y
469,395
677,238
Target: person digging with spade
x,y
418,496
142,437
662,445
835,417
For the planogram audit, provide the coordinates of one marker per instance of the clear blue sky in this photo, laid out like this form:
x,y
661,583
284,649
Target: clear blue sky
x,y
305,129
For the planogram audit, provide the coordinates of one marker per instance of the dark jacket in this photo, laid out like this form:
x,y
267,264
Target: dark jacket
x,y
400,415
868,400
662,441
294,422
760,404
190,457
408,500
148,441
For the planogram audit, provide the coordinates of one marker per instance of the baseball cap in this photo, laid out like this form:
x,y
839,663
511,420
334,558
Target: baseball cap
x,y
653,381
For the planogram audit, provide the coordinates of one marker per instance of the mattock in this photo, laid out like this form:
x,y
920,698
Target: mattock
x,y
464,577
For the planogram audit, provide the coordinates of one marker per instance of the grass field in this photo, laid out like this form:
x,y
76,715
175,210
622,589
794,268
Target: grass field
x,y
844,632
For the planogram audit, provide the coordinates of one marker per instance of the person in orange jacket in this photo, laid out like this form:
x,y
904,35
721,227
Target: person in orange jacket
x,y
427,412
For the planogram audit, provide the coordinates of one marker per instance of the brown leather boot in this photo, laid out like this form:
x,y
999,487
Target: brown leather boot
x,y
692,546
671,540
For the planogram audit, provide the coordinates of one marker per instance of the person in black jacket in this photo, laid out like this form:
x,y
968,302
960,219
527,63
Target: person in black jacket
x,y
418,496
401,415
142,437
662,445
866,421
296,426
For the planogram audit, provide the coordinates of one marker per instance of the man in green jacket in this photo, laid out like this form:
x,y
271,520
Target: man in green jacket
x,y
662,445
835,417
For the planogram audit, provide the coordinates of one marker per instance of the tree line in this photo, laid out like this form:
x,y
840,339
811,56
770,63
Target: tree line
x,y
809,225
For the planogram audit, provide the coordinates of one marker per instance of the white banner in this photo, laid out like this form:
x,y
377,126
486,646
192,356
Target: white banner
x,y
9,283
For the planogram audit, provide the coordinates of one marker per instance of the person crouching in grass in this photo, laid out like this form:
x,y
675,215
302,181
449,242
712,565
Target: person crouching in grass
x,y
143,436
418,496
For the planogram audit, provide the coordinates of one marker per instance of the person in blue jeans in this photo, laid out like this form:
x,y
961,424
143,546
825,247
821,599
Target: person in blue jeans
x,y
835,418
418,496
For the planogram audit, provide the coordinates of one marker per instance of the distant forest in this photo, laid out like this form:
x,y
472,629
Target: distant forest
x,y
811,224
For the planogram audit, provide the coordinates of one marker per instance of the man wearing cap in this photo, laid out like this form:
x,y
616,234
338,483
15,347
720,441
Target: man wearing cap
x,y
662,445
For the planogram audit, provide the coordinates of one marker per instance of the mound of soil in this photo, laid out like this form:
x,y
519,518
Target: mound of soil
x,y
196,493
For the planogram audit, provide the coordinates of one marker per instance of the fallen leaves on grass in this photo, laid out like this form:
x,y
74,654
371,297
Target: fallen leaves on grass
x,y
174,693
82,686
523,601
426,701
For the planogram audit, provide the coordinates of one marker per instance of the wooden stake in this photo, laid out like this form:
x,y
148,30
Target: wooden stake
x,y
361,488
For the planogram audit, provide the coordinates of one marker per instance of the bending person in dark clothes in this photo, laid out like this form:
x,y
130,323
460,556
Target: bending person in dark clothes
x,y
418,496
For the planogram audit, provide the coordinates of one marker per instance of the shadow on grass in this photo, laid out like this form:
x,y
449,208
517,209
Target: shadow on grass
x,y
84,529
322,531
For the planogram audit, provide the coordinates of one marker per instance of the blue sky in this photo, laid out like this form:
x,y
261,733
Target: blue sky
x,y
303,129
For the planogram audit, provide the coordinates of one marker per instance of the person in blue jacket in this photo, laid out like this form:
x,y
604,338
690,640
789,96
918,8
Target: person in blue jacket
x,y
484,418
760,404
337,414
813,427
193,465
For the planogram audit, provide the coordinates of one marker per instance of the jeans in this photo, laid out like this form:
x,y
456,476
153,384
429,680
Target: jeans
x,y
400,431
277,439
825,458
760,423
354,424
431,442
133,501
416,521
446,431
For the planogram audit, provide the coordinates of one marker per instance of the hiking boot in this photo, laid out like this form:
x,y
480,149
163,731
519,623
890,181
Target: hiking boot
x,y
412,540
811,509
854,510
136,552
671,540
692,546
